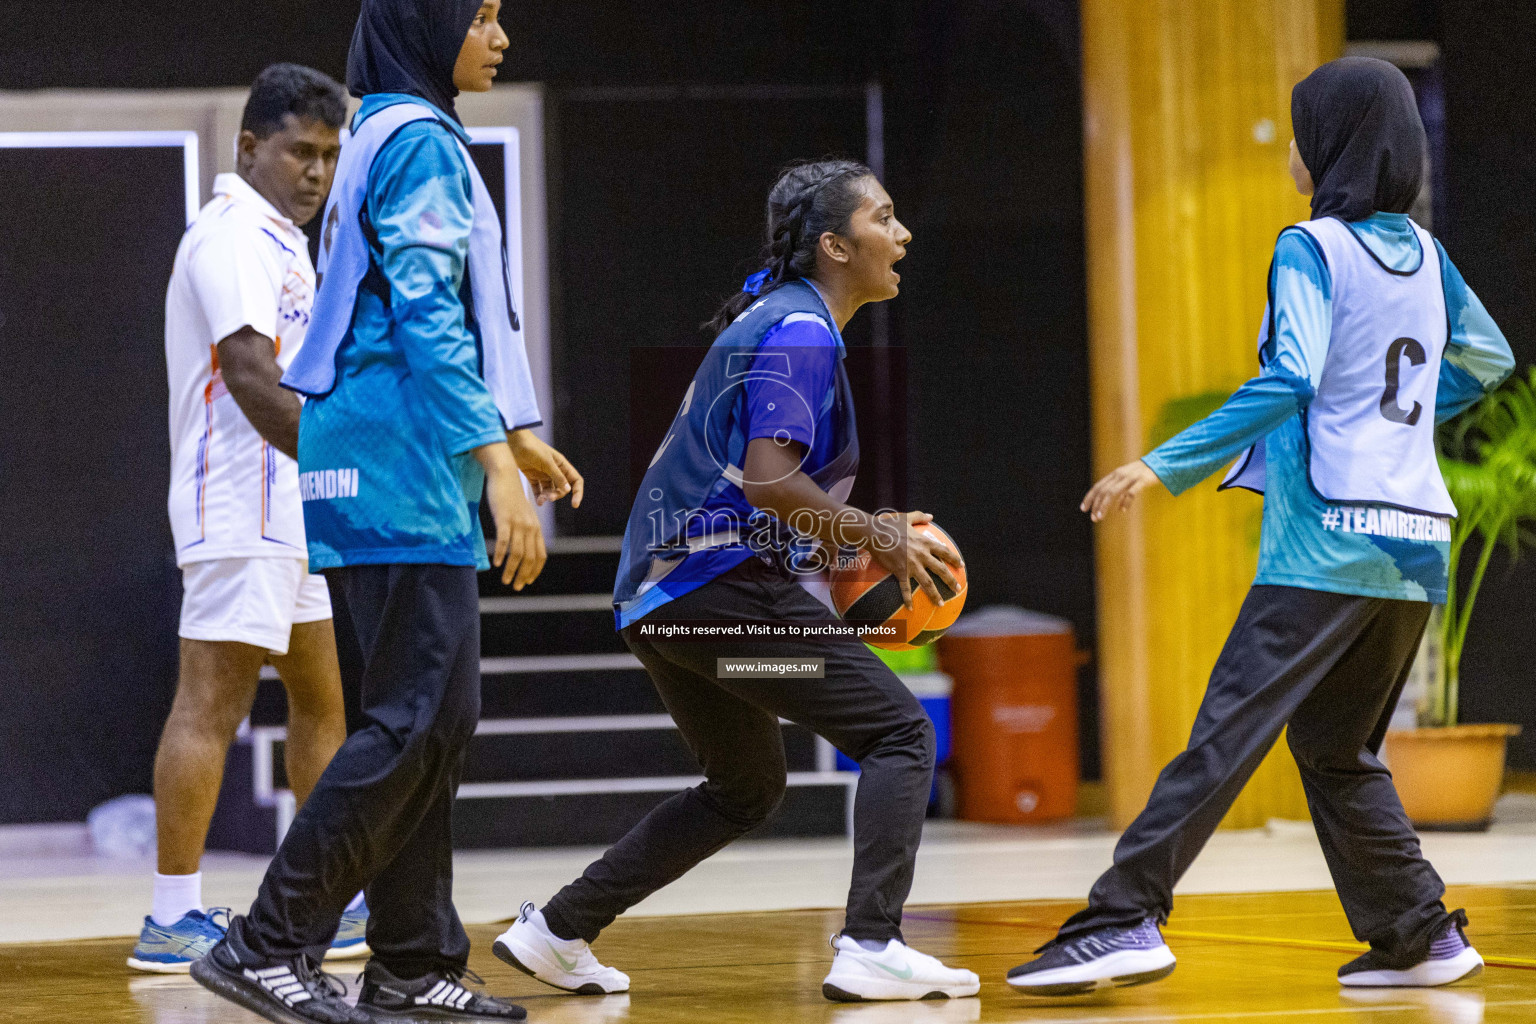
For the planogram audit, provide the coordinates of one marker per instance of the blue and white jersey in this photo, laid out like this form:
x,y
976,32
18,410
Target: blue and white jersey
x,y
776,373
1359,545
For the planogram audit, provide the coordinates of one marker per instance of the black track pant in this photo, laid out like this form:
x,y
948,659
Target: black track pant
x,y
732,726
380,817
1331,667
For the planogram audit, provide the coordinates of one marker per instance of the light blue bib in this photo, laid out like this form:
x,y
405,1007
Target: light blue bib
x,y
344,262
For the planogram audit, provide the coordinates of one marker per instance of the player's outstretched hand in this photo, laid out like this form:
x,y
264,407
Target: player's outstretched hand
x,y
552,475
1117,490
917,556
519,547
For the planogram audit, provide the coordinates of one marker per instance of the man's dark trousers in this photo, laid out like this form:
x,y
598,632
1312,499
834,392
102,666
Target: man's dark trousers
x,y
380,817
1331,667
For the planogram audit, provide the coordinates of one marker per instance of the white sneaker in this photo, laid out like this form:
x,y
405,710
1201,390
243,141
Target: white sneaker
x,y
896,972
532,948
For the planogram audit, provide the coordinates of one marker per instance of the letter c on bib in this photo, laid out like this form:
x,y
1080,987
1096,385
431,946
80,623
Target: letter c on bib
x,y
1416,357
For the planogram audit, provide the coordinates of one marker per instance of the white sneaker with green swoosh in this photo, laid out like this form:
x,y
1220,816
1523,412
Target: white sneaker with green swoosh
x,y
896,972
566,964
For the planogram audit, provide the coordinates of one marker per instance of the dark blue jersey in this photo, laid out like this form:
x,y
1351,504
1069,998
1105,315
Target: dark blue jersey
x,y
777,372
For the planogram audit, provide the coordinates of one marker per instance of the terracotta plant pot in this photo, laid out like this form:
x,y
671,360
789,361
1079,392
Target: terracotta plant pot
x,y
1448,779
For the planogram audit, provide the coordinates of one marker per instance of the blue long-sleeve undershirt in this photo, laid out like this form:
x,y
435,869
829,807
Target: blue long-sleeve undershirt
x,y
421,209
1477,358
1306,541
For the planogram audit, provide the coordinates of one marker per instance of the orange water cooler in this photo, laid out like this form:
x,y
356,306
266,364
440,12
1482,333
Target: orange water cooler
x,y
1014,758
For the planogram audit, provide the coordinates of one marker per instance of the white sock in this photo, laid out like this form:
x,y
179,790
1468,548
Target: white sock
x,y
357,901
175,895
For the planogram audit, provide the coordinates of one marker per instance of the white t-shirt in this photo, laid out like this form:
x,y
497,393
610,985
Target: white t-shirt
x,y
240,264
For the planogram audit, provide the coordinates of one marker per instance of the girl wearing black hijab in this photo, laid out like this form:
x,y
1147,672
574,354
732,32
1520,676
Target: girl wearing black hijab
x,y
1370,338
419,398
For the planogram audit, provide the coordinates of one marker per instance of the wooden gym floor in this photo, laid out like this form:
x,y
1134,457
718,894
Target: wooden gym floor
x,y
1257,957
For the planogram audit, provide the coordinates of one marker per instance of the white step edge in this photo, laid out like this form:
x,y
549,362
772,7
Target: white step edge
x,y
270,734
558,663
595,723
579,723
849,781
597,545
654,784
541,603
585,545
537,663
928,684
265,738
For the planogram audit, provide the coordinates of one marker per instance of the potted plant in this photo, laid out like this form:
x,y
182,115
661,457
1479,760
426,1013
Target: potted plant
x,y
1448,774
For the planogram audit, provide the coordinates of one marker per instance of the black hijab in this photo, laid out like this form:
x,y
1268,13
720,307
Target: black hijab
x,y
409,46
1358,129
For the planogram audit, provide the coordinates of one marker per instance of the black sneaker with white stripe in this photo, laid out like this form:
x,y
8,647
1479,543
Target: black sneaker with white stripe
x,y
289,991
438,996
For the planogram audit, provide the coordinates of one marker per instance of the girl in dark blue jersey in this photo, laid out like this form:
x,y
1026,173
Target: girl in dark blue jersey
x,y
759,459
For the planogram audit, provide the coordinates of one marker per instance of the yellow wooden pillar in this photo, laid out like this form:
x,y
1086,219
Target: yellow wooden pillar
x,y
1187,108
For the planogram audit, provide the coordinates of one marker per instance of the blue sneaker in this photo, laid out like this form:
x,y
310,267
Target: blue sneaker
x,y
1105,958
351,939
172,950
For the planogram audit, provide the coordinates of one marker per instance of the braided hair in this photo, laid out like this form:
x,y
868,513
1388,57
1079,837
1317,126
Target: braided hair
x,y
810,198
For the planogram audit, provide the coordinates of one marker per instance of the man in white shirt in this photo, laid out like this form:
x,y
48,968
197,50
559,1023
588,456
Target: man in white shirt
x,y
237,310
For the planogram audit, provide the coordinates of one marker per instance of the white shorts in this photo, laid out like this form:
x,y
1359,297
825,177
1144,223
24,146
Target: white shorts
x,y
254,601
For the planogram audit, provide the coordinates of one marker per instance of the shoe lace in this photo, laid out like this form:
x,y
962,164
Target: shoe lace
x,y
459,974
218,919
319,983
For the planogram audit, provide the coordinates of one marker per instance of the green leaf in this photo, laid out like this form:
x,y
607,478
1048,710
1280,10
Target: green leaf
x,y
1488,461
